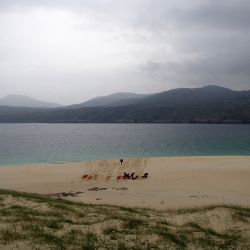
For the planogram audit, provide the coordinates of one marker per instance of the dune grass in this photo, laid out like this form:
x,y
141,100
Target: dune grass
x,y
31,221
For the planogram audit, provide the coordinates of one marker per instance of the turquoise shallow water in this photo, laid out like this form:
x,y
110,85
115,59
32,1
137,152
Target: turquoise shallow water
x,y
41,143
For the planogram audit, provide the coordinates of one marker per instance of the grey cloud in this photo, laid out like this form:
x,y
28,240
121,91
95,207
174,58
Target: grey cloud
x,y
209,40
223,14
156,14
231,70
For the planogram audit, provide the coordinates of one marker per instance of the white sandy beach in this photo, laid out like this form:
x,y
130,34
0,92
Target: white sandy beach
x,y
173,182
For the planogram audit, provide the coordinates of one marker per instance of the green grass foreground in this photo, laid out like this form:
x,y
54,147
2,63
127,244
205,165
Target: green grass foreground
x,y
31,221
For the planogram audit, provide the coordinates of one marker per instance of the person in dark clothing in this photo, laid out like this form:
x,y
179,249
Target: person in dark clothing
x,y
145,175
121,161
134,177
126,175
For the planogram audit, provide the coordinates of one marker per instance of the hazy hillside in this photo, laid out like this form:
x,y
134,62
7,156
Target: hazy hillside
x,y
183,96
210,104
26,101
117,99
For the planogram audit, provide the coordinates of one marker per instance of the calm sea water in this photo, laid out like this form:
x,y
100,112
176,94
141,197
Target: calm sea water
x,y
35,143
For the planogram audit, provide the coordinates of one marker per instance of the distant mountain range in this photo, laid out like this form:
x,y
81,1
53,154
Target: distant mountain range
x,y
117,99
209,104
26,101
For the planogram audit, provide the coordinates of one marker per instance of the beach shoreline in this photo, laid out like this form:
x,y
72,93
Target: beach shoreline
x,y
173,182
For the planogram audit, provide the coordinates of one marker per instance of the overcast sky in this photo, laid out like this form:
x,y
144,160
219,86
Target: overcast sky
x,y
69,51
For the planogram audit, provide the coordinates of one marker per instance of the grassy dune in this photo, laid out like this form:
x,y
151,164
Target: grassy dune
x,y
30,221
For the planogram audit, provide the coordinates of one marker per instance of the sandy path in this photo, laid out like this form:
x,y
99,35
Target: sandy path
x,y
173,182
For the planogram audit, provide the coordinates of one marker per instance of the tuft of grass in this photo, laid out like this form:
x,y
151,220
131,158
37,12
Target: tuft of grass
x,y
132,223
129,210
122,246
243,216
174,237
222,240
112,229
53,224
9,235
90,241
41,236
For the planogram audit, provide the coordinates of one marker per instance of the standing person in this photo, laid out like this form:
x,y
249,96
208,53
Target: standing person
x,y
121,161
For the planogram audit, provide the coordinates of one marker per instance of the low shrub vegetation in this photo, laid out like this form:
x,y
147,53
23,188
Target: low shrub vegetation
x,y
31,221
